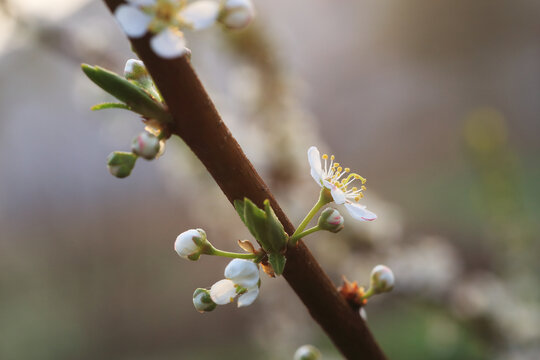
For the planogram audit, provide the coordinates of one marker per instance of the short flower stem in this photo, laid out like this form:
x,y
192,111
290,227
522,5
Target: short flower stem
x,y
323,200
369,293
228,254
293,239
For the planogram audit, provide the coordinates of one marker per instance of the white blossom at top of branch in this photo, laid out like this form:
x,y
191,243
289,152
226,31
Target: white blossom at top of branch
x,y
166,19
337,179
241,278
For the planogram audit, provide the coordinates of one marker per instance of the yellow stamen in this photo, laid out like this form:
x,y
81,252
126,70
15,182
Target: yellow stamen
x,y
325,156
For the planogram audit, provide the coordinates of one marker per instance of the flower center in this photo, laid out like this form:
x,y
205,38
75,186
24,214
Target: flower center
x,y
335,175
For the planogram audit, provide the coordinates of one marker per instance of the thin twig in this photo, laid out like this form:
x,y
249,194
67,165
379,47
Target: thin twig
x,y
198,123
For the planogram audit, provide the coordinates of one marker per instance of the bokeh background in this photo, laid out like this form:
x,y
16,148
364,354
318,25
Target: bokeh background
x,y
436,103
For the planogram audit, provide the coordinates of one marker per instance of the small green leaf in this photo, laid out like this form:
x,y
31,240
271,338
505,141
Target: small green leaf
x,y
275,232
239,206
277,261
255,220
110,106
132,95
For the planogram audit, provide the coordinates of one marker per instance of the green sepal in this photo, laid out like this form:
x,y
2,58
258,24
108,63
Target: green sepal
x,y
276,234
277,261
121,163
137,99
110,105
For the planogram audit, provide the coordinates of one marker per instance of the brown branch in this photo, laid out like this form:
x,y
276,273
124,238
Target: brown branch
x,y
198,123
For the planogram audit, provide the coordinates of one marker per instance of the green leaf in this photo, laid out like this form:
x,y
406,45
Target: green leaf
x,y
255,220
109,106
277,261
239,206
275,232
132,95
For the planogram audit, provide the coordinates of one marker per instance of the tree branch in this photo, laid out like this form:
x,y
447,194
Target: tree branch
x,y
198,123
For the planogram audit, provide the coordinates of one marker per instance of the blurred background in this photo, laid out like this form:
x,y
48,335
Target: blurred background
x,y
436,103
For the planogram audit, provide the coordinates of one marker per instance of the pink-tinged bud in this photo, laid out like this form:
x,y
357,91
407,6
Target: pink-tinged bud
x,y
331,220
146,145
237,14
382,279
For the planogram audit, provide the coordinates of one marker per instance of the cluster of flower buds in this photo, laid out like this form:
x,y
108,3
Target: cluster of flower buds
x,y
241,274
138,93
167,20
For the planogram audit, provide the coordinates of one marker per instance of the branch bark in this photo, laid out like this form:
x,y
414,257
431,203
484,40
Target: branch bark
x,y
197,122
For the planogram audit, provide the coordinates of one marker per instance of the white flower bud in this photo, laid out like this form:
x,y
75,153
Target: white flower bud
x,y
202,301
331,220
146,145
237,14
121,163
307,352
382,279
191,243
135,70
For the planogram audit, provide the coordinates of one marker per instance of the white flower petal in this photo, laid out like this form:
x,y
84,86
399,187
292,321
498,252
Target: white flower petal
x,y
359,212
314,158
223,292
248,298
142,2
132,20
337,194
243,272
200,14
169,44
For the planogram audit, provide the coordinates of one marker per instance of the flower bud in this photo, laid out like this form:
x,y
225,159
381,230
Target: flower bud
x,y
202,300
135,70
121,163
146,145
307,352
237,14
331,220
191,243
363,313
382,279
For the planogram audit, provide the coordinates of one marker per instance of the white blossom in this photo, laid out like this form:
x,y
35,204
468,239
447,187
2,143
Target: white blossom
x,y
165,19
337,179
241,278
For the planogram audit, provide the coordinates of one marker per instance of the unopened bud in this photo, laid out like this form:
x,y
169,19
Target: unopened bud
x,y
146,145
191,243
363,313
331,220
307,352
121,163
382,279
237,14
203,301
135,70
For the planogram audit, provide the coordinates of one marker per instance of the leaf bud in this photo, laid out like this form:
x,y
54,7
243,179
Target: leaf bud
x,y
203,301
331,220
191,243
121,163
382,279
146,145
